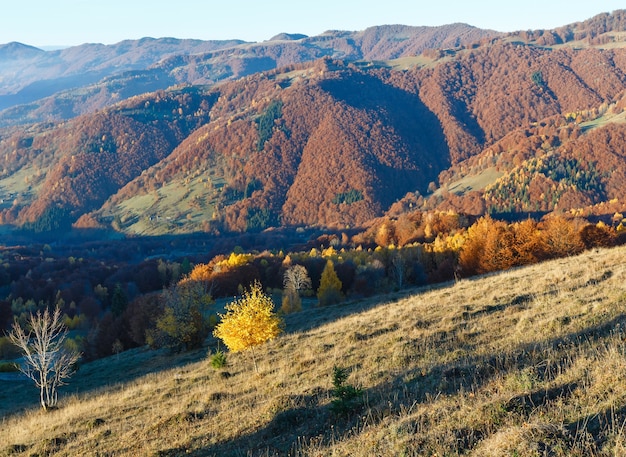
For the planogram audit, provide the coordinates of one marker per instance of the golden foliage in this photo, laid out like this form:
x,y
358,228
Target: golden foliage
x,y
249,321
292,302
236,260
474,245
200,272
329,291
561,238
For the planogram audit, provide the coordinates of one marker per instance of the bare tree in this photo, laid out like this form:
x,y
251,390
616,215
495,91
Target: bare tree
x,y
297,278
46,362
398,269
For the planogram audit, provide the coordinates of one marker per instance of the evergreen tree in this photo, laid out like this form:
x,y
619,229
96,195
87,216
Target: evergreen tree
x,y
329,291
119,301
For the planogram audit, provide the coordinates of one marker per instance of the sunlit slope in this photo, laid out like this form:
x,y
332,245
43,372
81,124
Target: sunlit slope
x,y
525,362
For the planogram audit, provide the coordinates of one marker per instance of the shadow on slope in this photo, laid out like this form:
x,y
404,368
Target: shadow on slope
x,y
110,374
421,141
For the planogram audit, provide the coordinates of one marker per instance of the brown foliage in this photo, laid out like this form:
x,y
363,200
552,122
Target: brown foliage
x,y
374,134
561,237
597,235
493,245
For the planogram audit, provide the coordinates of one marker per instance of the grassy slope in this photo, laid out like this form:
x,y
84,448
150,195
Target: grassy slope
x,y
608,118
472,182
529,362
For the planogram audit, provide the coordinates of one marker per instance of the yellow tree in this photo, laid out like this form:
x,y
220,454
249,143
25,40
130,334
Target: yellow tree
x,y
249,321
474,246
329,291
498,253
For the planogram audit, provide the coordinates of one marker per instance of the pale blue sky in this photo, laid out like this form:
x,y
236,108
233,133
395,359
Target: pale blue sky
x,y
72,22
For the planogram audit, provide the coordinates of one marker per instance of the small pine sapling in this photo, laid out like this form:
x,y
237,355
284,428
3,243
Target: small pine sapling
x,y
346,398
218,360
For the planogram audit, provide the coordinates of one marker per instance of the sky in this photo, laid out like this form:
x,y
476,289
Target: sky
x,y
46,23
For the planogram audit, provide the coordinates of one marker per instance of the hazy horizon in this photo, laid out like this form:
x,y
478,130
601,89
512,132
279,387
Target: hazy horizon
x,y
68,23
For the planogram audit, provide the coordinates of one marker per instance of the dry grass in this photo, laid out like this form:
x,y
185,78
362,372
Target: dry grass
x,y
607,118
472,182
529,362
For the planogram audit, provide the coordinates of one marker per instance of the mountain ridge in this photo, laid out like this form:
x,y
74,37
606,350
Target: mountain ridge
x,y
332,142
188,61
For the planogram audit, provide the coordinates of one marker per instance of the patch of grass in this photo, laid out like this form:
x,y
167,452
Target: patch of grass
x,y
180,205
607,118
9,367
473,182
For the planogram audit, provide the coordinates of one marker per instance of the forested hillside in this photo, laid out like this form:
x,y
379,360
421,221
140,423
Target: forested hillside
x,y
504,125
67,169
37,85
334,144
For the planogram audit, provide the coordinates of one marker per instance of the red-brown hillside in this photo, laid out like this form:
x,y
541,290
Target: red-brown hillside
x,y
334,143
78,165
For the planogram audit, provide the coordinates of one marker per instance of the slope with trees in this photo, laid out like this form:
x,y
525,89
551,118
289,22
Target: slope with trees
x,y
55,85
501,365
327,143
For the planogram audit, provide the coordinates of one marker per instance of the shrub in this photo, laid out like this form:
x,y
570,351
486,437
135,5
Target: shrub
x,y
346,398
218,360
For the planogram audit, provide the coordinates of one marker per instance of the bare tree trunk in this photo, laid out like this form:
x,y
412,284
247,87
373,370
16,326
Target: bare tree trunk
x,y
256,368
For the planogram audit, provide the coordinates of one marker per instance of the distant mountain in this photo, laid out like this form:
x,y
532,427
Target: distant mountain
x,y
61,84
288,37
18,52
504,125
29,76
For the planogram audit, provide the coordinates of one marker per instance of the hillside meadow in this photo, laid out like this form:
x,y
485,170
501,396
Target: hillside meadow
x,y
528,362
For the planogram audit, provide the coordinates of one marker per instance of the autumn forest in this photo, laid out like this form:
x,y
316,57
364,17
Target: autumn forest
x,y
316,170
493,153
